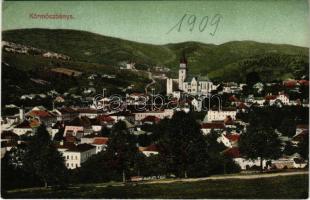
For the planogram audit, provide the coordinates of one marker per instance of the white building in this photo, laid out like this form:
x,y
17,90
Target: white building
x,y
220,115
159,114
190,85
76,155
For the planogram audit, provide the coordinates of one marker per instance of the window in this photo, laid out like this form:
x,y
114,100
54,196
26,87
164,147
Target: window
x,y
67,157
76,157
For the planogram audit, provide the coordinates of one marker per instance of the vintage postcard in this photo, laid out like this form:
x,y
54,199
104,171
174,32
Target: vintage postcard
x,y
155,99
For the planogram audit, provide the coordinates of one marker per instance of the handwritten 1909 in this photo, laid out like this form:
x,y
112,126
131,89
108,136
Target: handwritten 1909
x,y
191,22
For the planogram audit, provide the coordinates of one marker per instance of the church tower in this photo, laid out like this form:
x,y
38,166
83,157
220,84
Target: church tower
x,y
182,71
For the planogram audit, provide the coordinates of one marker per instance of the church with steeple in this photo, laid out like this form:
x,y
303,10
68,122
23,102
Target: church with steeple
x,y
194,85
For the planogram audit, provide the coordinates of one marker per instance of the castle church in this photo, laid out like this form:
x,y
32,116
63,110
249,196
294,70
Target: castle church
x,y
189,84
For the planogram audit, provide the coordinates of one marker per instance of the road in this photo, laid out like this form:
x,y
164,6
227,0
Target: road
x,y
245,176
153,82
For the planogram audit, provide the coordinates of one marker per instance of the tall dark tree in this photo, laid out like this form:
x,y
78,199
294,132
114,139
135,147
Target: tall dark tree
x,y
181,145
303,147
260,141
43,159
122,149
252,78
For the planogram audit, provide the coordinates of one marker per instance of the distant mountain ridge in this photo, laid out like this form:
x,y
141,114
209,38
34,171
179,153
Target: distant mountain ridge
x,y
230,61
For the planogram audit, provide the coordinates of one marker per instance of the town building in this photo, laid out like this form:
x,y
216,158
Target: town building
x,y
194,85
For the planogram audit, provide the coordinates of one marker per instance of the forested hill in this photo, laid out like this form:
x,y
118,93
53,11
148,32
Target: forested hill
x,y
228,62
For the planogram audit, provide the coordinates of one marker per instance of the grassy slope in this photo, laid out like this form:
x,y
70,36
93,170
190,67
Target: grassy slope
x,y
229,61
276,187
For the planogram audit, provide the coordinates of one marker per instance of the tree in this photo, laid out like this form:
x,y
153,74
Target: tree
x,y
181,145
260,141
122,149
59,136
43,159
218,162
289,149
97,169
303,147
252,78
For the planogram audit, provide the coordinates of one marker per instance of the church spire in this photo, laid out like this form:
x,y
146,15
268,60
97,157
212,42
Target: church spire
x,y
183,59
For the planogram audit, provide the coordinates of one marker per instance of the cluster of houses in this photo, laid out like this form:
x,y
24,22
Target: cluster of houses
x,y
82,129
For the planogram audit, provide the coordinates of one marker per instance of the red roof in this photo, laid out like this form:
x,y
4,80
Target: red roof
x,y
150,118
87,110
290,83
242,106
302,126
152,147
106,118
233,98
40,113
70,138
301,135
270,97
233,137
212,125
303,82
101,140
232,152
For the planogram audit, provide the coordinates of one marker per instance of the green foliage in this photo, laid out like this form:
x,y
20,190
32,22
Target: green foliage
x,y
122,149
303,147
182,145
283,119
219,163
97,169
260,140
230,61
43,159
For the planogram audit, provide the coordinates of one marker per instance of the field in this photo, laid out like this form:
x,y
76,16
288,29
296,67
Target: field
x,y
288,187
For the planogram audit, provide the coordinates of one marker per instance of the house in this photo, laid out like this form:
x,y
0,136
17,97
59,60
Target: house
x,y
100,143
293,161
149,150
150,120
243,162
161,114
221,114
23,128
78,127
66,114
207,127
87,112
106,120
281,97
189,84
122,115
43,116
197,104
59,99
135,97
233,139
75,155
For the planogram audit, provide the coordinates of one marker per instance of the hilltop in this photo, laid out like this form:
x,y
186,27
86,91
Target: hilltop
x,y
226,62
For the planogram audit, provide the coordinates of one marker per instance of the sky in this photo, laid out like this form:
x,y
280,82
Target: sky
x,y
217,22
